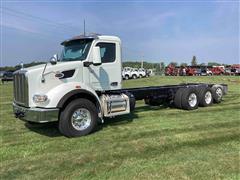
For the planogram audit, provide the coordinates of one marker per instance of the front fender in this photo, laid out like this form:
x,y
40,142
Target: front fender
x,y
56,94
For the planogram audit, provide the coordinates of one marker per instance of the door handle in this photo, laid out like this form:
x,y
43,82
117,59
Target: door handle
x,y
114,83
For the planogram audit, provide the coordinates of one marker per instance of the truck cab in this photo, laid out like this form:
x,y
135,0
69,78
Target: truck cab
x,y
87,67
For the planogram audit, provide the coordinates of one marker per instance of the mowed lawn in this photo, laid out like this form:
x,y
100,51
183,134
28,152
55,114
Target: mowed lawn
x,y
152,143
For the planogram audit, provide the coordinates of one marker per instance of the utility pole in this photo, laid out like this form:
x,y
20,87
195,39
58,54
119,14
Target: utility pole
x,y
160,69
84,31
142,64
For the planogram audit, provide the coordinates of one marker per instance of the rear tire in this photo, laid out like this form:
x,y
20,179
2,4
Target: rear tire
x,y
134,76
186,98
178,98
127,77
79,118
205,97
217,92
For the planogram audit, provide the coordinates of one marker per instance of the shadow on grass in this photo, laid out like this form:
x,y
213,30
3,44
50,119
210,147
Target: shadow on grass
x,y
123,119
47,129
51,130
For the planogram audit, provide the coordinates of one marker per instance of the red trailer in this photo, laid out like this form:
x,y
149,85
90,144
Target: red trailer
x,y
217,70
171,70
191,71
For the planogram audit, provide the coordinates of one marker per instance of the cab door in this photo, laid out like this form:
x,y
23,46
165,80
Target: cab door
x,y
107,76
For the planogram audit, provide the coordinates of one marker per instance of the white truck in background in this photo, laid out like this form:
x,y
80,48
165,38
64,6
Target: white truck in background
x,y
134,73
126,73
84,85
142,72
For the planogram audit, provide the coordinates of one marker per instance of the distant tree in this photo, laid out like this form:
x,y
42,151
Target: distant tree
x,y
183,64
7,68
202,64
173,64
14,68
213,64
194,61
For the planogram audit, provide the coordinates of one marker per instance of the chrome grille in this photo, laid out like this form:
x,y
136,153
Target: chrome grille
x,y
20,86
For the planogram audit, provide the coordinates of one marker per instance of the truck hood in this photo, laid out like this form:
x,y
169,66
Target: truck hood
x,y
34,77
50,67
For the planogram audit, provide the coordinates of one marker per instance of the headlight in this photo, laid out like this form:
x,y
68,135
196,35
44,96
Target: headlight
x,y
40,98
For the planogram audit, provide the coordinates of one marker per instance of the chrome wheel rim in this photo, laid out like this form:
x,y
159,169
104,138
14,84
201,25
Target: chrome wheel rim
x,y
81,119
192,99
219,93
208,97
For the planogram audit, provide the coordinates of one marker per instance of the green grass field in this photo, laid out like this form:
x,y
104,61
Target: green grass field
x,y
152,143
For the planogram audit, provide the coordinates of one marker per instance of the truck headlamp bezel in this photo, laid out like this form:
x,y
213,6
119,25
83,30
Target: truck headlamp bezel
x,y
40,98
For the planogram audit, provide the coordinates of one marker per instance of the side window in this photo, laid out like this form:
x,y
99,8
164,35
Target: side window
x,y
108,52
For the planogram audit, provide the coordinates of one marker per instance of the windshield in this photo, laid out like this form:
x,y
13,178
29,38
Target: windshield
x,y
76,50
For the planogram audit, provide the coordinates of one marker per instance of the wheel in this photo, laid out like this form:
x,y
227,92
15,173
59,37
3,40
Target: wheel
x,y
79,118
178,98
186,98
140,76
217,92
126,77
134,76
132,101
205,96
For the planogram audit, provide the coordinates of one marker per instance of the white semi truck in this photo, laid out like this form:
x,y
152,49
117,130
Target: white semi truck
x,y
84,85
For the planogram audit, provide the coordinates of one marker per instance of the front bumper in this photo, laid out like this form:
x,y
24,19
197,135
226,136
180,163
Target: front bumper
x,y
39,115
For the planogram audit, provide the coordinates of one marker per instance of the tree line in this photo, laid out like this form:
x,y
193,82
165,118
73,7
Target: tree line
x,y
158,67
17,67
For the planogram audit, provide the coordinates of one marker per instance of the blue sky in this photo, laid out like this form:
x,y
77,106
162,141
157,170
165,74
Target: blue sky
x,y
151,30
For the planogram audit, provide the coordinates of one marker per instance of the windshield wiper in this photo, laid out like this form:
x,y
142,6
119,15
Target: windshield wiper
x,y
70,59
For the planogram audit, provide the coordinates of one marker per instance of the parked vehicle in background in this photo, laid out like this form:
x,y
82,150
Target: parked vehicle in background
x,y
217,70
142,72
228,72
1,73
126,73
190,71
171,70
206,72
198,72
134,73
7,76
149,72
237,71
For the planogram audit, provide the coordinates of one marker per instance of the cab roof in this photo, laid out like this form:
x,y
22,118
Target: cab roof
x,y
92,36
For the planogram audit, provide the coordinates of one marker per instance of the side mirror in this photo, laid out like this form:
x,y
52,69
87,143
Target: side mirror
x,y
54,59
96,56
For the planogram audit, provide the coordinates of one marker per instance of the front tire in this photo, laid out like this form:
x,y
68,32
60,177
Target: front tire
x,y
79,118
134,76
